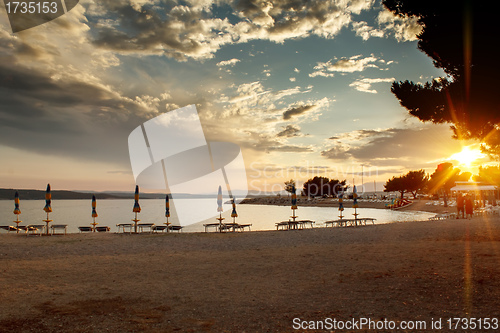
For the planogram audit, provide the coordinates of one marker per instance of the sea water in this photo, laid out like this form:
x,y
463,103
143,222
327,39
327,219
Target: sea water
x,y
111,212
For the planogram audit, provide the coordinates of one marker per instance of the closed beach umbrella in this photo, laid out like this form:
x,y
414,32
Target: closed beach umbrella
x,y
341,204
94,204
48,208
167,207
137,207
219,200
234,213
294,203
167,210
355,197
294,198
17,210
48,201
219,208
94,213
355,203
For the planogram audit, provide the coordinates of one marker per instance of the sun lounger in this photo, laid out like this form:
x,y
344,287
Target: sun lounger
x,y
211,225
35,229
157,228
177,228
85,229
102,229
9,228
143,226
124,226
55,227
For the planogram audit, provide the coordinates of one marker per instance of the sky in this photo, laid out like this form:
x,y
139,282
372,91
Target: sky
x,y
303,87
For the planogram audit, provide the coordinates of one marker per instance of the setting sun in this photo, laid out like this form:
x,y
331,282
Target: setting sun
x,y
467,156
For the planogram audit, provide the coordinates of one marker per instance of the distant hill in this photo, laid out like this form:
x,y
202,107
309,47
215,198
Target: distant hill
x,y
8,194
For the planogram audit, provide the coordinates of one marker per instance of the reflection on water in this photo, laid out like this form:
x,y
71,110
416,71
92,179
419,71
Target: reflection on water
x,y
76,213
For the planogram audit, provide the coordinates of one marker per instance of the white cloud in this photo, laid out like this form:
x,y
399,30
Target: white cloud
x,y
403,28
345,65
230,62
365,85
193,31
363,30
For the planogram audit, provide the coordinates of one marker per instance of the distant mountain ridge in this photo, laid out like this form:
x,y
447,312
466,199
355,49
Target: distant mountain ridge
x,y
8,194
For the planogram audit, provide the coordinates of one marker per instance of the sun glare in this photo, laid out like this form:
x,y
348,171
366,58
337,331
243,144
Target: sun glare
x,y
467,156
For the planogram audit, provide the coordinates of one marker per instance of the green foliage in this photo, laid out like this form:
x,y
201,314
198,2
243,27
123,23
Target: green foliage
x,y
290,185
444,178
319,186
412,182
489,175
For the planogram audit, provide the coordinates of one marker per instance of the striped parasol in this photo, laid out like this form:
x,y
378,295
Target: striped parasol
x,y
355,197
294,198
234,213
137,207
355,203
167,207
48,201
94,204
94,212
17,210
48,208
294,202
341,204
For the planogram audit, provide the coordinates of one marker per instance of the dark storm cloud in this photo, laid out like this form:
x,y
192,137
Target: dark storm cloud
x,y
64,117
289,131
295,111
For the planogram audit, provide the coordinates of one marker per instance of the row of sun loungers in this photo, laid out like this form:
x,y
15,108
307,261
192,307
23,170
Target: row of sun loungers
x,y
147,227
293,225
350,222
223,227
61,229
37,229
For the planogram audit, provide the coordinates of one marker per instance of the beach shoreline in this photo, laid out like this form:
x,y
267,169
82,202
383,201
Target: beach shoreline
x,y
417,205
251,281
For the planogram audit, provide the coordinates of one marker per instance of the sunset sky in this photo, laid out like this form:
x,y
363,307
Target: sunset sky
x,y
303,87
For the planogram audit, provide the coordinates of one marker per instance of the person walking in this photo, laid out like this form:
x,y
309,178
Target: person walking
x,y
460,206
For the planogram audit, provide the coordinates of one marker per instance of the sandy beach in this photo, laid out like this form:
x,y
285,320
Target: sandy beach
x,y
252,281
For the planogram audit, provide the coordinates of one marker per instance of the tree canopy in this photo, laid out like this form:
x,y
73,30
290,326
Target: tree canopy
x,y
444,178
488,175
319,186
412,182
460,36
290,186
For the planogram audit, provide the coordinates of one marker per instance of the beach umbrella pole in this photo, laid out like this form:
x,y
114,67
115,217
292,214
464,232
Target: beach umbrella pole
x,y
17,223
47,221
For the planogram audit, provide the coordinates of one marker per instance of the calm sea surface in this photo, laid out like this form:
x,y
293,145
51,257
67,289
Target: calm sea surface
x,y
76,213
